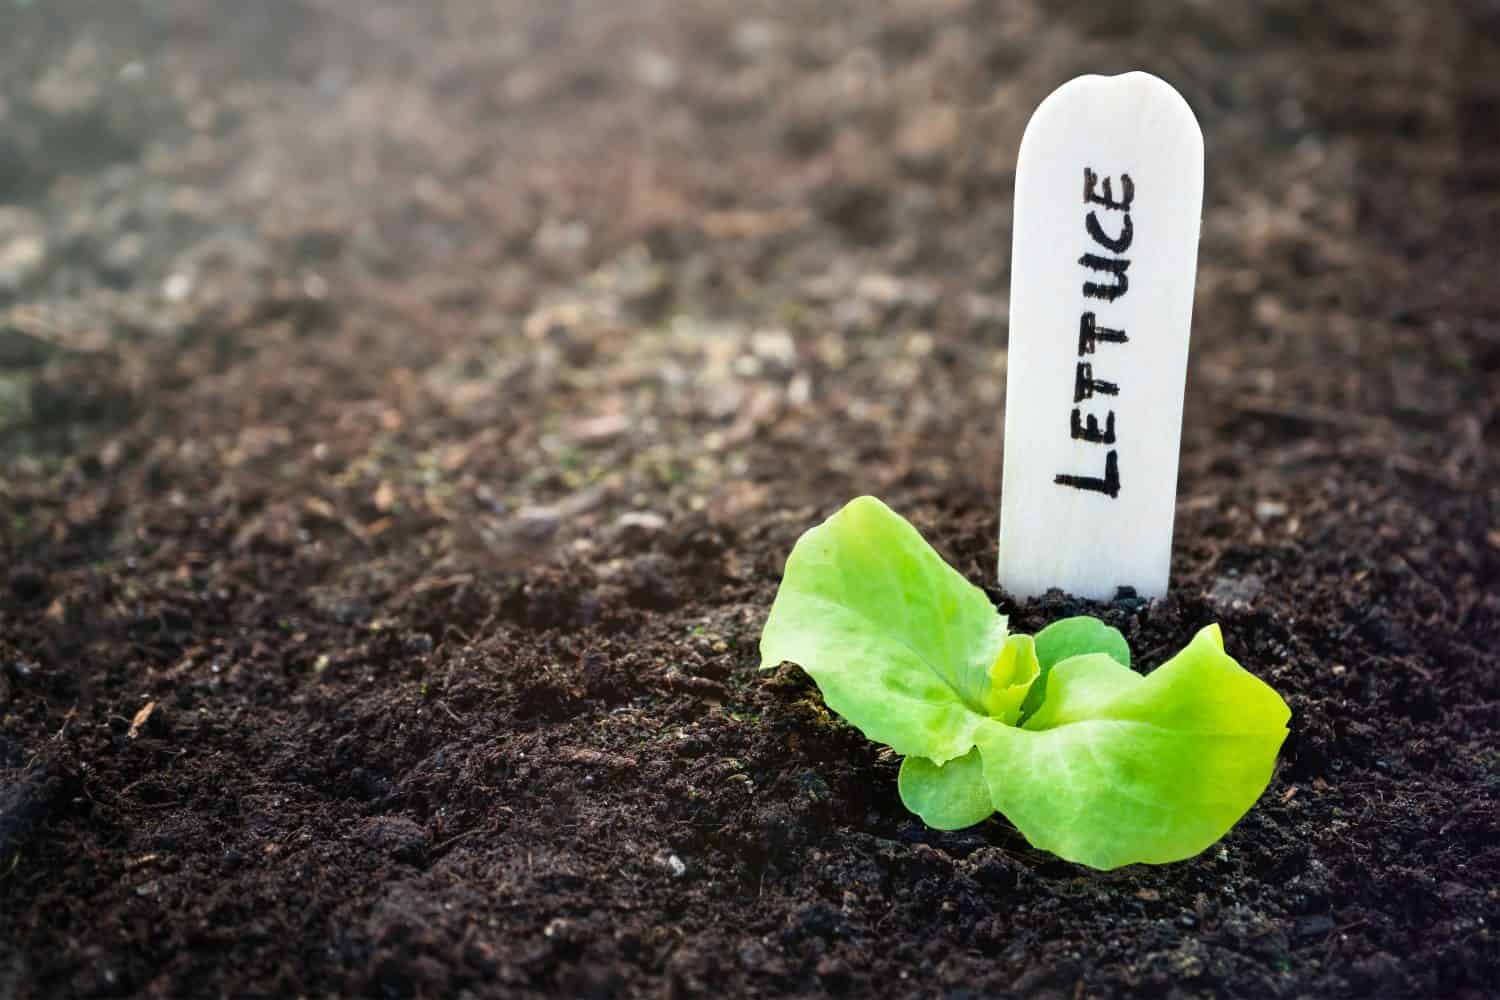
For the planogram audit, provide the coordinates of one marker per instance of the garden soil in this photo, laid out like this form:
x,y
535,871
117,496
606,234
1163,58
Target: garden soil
x,y
408,408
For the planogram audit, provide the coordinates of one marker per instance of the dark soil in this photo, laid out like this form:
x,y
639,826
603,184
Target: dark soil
x,y
405,410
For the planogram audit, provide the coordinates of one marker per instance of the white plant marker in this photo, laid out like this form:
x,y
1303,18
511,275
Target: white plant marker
x,y
1109,193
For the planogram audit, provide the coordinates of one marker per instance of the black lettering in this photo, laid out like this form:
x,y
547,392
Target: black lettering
x,y
1108,293
1085,385
1109,485
1119,244
1090,431
1089,334
1108,201
1086,426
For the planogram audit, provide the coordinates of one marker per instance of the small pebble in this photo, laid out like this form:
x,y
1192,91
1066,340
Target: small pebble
x,y
1236,591
643,521
672,863
537,524
21,260
1269,510
177,288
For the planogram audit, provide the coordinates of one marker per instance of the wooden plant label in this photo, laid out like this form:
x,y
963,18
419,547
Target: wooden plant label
x,y
1109,193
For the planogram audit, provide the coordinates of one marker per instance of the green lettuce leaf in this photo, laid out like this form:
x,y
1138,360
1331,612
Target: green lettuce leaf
x,y
900,644
1117,768
947,796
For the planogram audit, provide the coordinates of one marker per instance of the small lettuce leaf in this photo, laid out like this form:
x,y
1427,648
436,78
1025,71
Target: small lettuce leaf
x,y
900,644
947,796
1014,673
1065,639
1116,768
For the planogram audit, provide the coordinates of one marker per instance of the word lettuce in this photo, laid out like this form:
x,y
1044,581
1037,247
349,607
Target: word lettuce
x,y
1089,759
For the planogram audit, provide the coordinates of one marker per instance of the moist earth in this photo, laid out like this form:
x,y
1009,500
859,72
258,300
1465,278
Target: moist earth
x,y
406,410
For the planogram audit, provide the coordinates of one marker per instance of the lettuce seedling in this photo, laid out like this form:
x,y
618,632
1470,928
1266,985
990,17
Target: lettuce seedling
x,y
1089,759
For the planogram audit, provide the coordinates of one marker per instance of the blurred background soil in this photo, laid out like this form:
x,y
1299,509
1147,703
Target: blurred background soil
x,y
406,409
